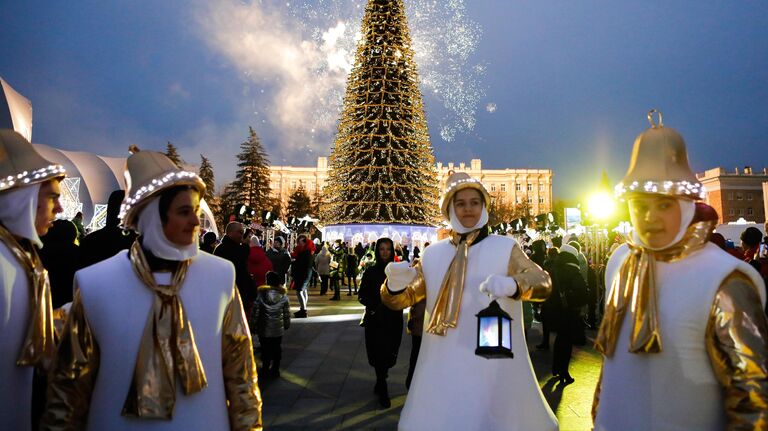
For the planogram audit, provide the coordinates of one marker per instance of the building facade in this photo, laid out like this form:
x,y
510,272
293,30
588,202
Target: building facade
x,y
511,186
736,194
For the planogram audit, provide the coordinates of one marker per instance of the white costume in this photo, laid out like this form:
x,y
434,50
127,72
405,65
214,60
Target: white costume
x,y
452,388
25,301
676,388
684,335
155,349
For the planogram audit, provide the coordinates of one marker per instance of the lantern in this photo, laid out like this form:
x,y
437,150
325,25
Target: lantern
x,y
494,333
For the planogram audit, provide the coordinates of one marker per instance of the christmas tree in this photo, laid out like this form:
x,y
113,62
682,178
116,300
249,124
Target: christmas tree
x,y
172,153
382,166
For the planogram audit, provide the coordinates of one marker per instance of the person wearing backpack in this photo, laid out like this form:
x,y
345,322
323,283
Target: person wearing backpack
x,y
271,317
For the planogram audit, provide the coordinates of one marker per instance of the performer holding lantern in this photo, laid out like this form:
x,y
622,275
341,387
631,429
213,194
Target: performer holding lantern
x,y
452,387
684,334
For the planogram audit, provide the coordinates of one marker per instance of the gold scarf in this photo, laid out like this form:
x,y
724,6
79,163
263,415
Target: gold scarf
x,y
635,288
168,343
39,345
445,314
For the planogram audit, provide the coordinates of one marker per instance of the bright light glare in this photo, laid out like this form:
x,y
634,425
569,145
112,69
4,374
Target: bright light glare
x,y
601,205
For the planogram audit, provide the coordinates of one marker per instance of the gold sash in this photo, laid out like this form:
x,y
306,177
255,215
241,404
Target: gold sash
x,y
39,345
635,288
167,344
445,314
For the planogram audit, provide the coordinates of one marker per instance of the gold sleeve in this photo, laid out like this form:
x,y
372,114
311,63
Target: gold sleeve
x,y
239,366
414,292
73,375
596,396
737,344
533,283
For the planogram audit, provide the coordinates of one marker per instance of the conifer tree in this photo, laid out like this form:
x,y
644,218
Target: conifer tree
x,y
299,203
251,185
172,153
381,165
206,174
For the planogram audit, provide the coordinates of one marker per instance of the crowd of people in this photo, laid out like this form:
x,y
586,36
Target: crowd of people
x,y
98,333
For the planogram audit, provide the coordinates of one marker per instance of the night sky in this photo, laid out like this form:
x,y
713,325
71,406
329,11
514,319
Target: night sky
x,y
560,84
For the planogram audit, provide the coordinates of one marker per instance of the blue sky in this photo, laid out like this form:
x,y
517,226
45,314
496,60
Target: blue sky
x,y
557,84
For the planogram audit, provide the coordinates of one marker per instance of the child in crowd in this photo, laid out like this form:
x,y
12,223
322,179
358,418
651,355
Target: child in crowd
x,y
271,317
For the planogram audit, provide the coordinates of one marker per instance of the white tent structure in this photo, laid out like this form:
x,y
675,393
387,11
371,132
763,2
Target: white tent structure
x,y
91,179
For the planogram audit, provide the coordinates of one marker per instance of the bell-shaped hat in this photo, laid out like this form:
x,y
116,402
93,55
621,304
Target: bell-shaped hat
x,y
459,181
147,174
659,165
21,164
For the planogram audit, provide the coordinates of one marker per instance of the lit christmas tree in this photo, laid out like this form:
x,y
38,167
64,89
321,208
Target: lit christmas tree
x,y
382,166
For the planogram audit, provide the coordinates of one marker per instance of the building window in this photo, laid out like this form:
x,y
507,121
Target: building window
x,y
731,212
740,211
517,200
541,199
503,187
293,184
749,211
518,187
739,197
493,187
530,200
541,187
530,187
730,197
749,196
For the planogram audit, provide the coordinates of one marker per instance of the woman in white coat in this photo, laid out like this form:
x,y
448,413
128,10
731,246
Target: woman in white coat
x,y
452,388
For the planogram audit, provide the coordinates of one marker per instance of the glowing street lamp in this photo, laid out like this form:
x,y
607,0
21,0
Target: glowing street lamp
x,y
601,206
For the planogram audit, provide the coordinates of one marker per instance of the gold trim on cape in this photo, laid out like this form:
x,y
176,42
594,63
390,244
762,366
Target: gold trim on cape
x,y
445,313
39,345
239,369
167,347
737,333
635,288
73,374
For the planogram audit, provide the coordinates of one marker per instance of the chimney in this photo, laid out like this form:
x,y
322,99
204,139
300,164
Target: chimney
x,y
747,170
737,171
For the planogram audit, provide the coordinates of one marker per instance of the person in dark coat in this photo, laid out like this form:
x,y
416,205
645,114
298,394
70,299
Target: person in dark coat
x,y
359,251
301,269
270,318
109,240
232,249
281,260
570,292
350,269
383,327
209,242
547,308
60,256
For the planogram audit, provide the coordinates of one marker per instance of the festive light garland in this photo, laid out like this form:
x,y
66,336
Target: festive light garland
x,y
382,165
164,181
673,188
38,175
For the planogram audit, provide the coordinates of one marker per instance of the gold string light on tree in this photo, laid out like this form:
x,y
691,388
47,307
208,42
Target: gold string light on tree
x,y
382,165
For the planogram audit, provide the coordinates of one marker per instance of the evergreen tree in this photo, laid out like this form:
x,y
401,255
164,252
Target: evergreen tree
x,y
382,166
299,203
206,174
172,153
251,185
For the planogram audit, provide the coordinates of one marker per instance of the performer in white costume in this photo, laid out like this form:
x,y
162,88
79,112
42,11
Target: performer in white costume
x,y
452,388
156,337
684,334
29,202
